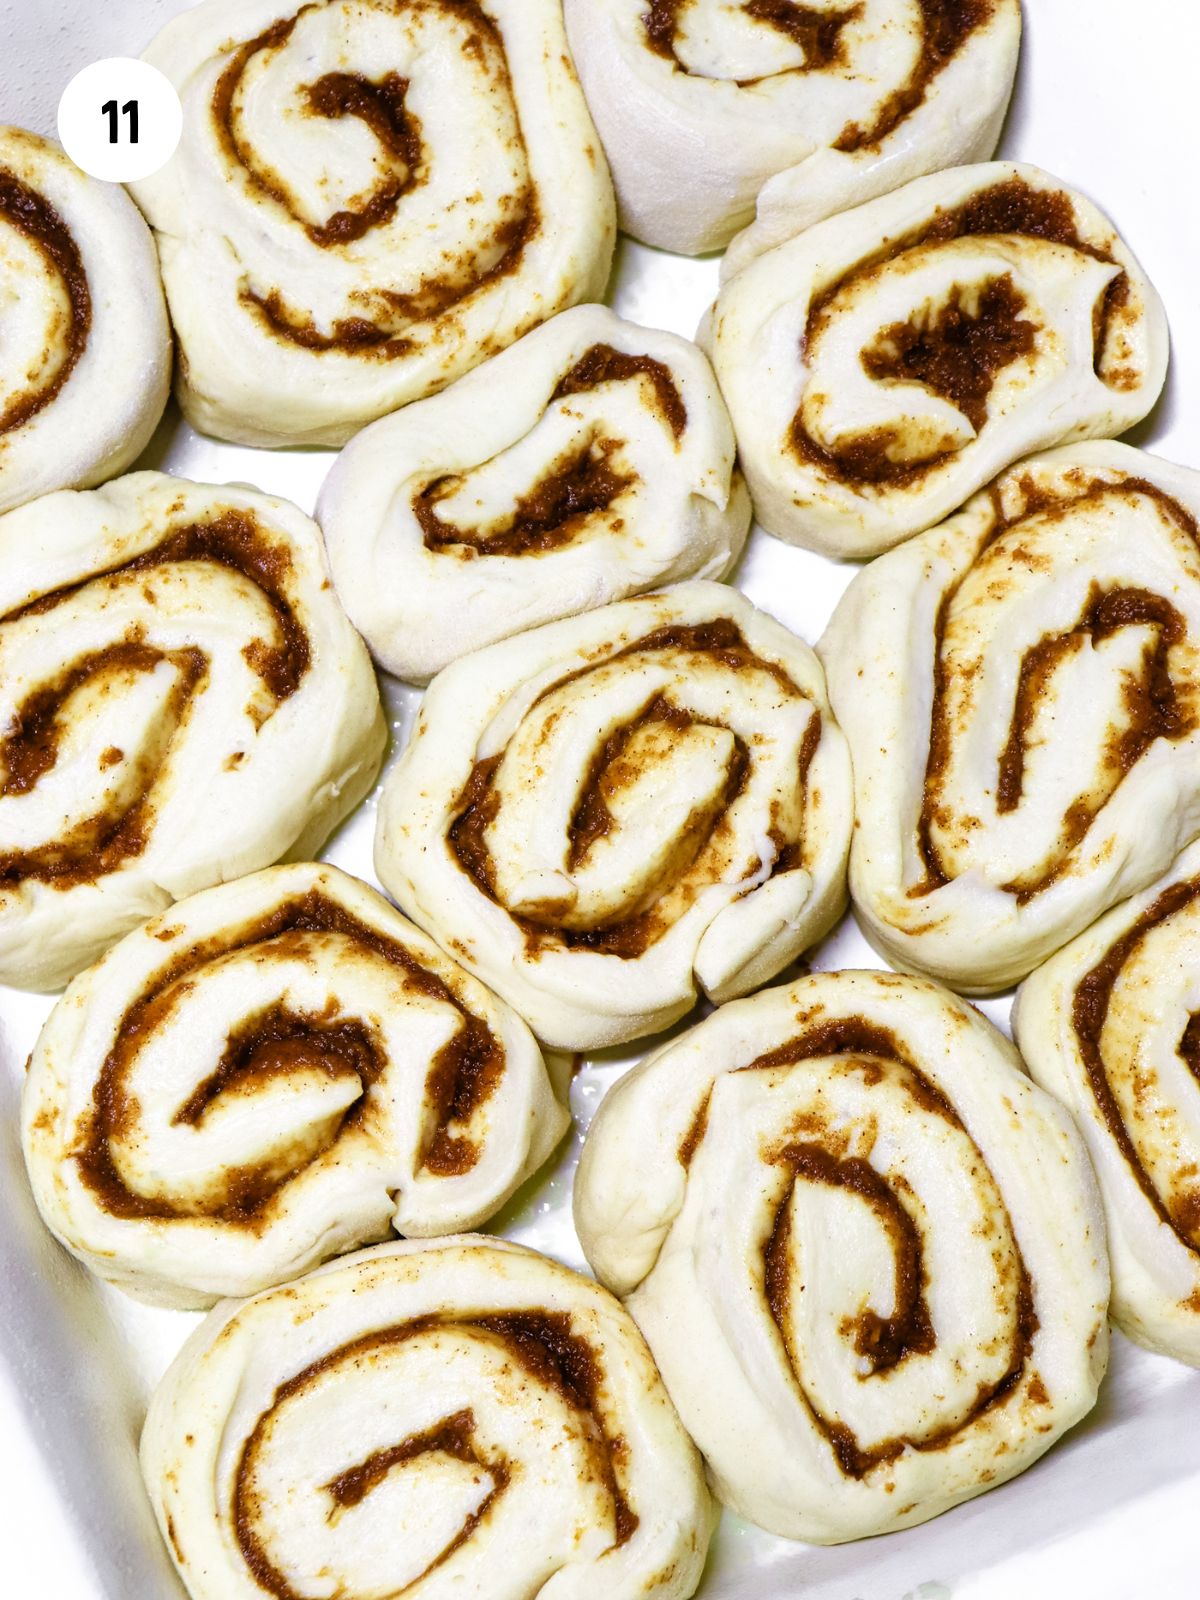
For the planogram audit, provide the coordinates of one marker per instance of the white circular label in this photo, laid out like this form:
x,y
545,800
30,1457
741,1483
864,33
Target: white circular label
x,y
120,119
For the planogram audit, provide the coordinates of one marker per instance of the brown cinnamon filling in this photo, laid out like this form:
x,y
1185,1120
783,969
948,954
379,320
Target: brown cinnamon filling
x,y
1089,1012
478,804
948,25
381,107
959,351
31,215
555,510
1151,699
603,364
543,1343
453,1437
884,1342
463,1075
380,104
818,33
549,517
31,745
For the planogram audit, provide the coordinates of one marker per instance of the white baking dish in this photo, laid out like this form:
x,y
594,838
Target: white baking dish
x,y
1107,101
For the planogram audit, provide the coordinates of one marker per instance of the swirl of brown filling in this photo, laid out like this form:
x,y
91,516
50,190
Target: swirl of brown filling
x,y
573,489
1156,706
699,854
30,747
545,1349
276,1042
1179,1208
33,217
882,1342
403,165
959,349
946,26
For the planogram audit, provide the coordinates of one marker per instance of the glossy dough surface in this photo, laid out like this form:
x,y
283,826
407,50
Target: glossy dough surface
x,y
371,197
1021,692
85,350
866,1252
705,106
1109,1025
462,1418
884,365
269,1074
591,461
605,815
183,701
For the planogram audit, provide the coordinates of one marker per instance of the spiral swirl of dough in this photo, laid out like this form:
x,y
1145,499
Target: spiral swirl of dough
x,y
371,197
464,1417
605,814
608,470
883,366
1111,1025
866,1252
706,105
271,1073
182,700
85,350
1021,692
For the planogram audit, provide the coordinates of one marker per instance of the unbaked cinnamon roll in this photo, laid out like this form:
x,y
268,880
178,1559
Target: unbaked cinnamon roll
x,y
1021,692
371,197
464,1417
606,815
181,700
702,103
1111,1025
271,1073
883,366
866,1252
606,470
85,350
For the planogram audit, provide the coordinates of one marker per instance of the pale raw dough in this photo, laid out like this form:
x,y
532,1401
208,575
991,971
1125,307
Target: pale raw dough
x,y
733,105
184,701
607,815
1106,1026
884,365
85,349
463,1417
866,1252
307,1071
371,197
1021,692
591,461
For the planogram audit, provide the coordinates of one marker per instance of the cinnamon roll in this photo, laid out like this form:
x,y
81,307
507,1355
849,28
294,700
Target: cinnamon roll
x,y
1110,1026
85,350
883,366
271,1073
609,469
1021,692
464,1417
605,815
705,104
181,700
370,198
866,1252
